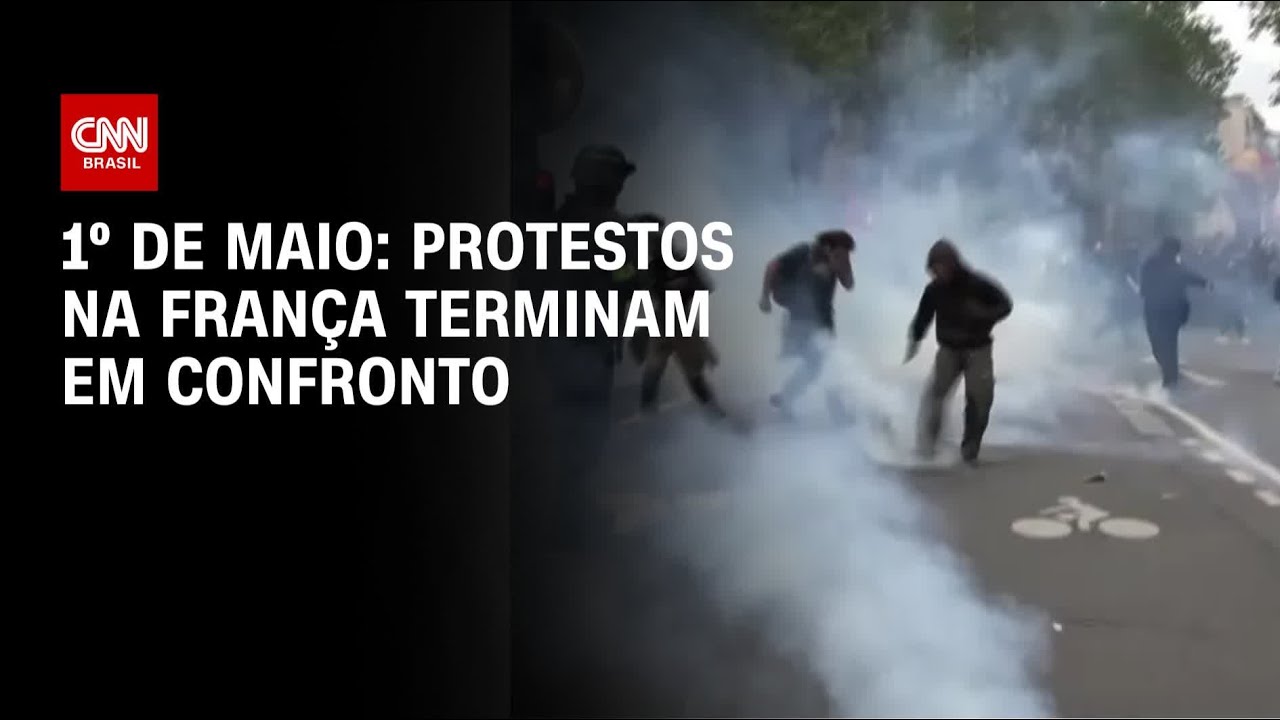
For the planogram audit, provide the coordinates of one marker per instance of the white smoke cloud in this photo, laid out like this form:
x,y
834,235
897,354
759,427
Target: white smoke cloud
x,y
830,550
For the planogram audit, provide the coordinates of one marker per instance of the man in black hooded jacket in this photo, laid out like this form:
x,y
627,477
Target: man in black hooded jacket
x,y
964,307
1165,306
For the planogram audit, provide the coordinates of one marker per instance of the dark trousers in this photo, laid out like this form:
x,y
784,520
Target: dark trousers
x,y
1162,330
950,364
693,354
582,381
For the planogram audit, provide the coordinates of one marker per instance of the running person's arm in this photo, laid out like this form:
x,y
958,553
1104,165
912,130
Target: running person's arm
x,y
770,279
1194,279
924,314
921,322
844,271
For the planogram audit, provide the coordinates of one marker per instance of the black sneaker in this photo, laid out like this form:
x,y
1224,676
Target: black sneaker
x,y
969,454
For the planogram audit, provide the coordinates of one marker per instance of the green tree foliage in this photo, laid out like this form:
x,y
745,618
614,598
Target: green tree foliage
x,y
1264,20
1147,62
1156,70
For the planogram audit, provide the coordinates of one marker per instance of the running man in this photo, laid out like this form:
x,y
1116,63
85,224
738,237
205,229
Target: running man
x,y
803,280
964,306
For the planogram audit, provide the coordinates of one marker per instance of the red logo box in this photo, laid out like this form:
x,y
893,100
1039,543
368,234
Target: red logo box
x,y
109,143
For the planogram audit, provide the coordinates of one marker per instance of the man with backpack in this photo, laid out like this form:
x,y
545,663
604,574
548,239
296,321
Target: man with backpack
x,y
803,280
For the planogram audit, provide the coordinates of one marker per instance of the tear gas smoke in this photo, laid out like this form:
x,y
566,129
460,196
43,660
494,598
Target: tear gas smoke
x,y
831,551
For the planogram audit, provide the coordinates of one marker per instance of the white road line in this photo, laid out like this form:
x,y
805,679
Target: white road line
x,y
1195,377
1257,465
1240,476
1212,457
1142,419
1203,379
1270,497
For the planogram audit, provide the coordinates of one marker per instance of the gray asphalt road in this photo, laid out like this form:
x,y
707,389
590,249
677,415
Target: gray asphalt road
x,y
1164,602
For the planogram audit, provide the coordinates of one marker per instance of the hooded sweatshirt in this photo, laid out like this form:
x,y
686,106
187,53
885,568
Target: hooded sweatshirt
x,y
964,309
1165,283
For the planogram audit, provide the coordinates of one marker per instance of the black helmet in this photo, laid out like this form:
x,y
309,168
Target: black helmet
x,y
601,165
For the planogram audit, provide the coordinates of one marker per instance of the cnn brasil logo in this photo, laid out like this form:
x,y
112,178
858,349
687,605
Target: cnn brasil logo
x,y
109,143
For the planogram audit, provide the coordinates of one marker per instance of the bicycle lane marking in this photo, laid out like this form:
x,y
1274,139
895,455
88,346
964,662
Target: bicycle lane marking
x,y
1072,515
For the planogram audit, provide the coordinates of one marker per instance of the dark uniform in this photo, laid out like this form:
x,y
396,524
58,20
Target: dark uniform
x,y
809,135
964,309
1165,305
582,368
694,354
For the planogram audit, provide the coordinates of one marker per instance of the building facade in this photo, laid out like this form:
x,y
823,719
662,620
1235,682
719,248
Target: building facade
x,y
1248,205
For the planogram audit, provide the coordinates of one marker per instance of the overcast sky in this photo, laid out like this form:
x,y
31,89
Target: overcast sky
x,y
1258,58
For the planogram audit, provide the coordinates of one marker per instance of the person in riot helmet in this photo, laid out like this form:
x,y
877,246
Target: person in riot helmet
x,y
803,280
695,355
582,368
964,306
1165,306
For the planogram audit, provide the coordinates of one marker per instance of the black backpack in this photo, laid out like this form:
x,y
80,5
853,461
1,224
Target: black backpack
x,y
790,280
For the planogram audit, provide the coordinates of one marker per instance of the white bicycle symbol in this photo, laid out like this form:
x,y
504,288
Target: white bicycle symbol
x,y
1072,513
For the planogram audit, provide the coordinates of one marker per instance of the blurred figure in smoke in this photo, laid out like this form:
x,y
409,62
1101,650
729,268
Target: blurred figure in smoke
x,y
1275,295
582,368
1165,306
965,307
809,135
695,355
1262,255
1231,266
1262,260
803,280
1121,269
